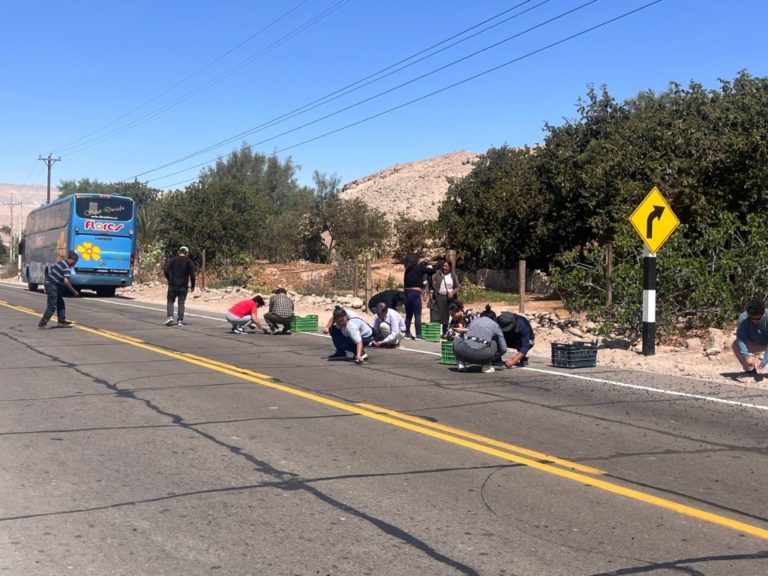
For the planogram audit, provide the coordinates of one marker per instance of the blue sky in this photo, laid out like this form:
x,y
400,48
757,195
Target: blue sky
x,y
120,89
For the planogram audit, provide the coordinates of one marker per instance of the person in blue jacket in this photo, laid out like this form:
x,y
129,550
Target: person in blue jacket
x,y
518,334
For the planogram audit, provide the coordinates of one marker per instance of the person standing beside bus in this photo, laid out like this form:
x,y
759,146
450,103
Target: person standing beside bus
x,y
55,283
180,273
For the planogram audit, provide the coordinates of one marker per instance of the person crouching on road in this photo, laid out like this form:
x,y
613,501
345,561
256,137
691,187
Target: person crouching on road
x,y
388,327
243,315
482,343
394,299
751,344
280,315
56,281
518,334
350,333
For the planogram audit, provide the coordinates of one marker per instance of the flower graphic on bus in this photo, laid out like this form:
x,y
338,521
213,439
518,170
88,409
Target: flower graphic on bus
x,y
88,251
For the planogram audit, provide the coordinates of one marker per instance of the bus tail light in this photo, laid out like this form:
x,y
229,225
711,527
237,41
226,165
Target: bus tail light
x,y
133,259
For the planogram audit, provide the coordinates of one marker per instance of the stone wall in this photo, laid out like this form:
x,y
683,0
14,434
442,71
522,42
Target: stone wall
x,y
536,281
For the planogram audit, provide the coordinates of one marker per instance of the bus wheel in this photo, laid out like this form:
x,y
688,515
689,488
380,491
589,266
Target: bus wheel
x,y
32,287
107,291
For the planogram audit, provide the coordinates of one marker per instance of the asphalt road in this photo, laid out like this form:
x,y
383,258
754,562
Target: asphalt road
x,y
127,447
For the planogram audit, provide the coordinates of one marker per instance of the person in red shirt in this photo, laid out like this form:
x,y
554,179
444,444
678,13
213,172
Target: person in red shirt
x,y
243,315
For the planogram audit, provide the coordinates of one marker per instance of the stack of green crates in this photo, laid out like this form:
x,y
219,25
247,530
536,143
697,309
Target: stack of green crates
x,y
304,323
431,331
446,354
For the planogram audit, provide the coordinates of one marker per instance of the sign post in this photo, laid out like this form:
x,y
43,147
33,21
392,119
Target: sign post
x,y
654,221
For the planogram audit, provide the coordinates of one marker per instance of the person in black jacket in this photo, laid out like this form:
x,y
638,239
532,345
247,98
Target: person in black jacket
x,y
180,273
415,284
394,299
518,334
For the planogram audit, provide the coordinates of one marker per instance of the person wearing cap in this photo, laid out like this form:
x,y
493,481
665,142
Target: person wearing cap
x,y
518,334
280,315
58,279
752,336
180,273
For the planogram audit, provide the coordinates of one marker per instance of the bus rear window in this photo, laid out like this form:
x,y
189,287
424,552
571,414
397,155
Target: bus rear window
x,y
104,208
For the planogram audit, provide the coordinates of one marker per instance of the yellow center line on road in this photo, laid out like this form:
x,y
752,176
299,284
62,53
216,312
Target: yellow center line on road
x,y
485,440
441,432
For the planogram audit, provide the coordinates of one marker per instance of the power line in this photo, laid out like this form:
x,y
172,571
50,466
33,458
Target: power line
x,y
202,87
385,92
349,88
435,92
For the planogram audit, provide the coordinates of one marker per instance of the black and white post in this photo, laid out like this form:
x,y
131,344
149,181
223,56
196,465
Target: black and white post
x,y
649,302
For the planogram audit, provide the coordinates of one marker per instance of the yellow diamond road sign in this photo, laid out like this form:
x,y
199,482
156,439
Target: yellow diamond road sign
x,y
654,220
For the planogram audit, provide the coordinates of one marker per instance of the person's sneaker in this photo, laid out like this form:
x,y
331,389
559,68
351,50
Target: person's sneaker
x,y
362,358
238,330
461,366
266,331
42,326
522,363
65,323
180,323
251,326
418,337
337,355
285,331
170,321
487,369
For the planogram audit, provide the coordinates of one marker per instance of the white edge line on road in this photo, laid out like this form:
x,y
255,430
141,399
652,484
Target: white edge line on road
x,y
553,372
652,389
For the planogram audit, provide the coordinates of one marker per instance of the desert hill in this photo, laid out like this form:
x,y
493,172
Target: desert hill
x,y
30,198
414,189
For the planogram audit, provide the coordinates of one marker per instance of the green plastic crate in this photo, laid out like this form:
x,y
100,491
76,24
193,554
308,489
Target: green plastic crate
x,y
446,354
431,331
304,323
576,355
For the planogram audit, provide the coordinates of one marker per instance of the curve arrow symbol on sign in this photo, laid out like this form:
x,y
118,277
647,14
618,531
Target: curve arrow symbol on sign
x,y
654,215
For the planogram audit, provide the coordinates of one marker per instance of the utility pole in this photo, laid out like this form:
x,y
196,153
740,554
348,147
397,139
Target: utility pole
x,y
12,204
49,162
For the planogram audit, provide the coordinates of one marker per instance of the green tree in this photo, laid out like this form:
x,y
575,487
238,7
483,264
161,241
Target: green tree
x,y
493,215
707,150
354,228
219,216
315,225
139,191
4,255
411,237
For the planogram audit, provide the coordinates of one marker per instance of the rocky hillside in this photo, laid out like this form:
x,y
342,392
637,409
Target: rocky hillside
x,y
415,189
30,198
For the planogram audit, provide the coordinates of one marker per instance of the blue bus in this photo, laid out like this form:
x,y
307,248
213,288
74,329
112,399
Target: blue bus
x,y
101,228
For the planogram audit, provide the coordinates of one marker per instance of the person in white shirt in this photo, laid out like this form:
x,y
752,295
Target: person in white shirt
x,y
350,333
445,286
388,327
